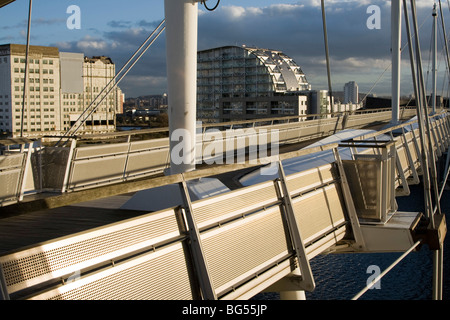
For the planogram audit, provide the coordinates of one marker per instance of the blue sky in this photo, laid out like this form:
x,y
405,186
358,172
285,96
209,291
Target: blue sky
x,y
117,28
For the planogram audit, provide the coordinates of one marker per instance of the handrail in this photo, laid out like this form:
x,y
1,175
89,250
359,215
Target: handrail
x,y
218,124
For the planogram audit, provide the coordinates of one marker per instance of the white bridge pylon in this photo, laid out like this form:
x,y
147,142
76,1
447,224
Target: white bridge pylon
x,y
181,42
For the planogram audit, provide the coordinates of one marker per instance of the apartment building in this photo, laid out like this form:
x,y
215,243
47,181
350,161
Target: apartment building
x,y
351,92
239,83
42,113
60,87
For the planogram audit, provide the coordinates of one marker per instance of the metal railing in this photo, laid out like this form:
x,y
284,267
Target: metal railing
x,y
78,167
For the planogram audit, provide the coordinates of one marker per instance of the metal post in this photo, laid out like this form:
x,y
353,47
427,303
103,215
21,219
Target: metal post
x,y
420,114
415,177
353,216
306,273
69,165
196,246
433,94
445,34
324,22
25,165
3,287
25,82
181,46
396,58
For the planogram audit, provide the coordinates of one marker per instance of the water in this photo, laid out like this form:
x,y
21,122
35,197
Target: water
x,y
342,276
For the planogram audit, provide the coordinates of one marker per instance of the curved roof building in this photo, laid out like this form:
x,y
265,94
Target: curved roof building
x,y
232,77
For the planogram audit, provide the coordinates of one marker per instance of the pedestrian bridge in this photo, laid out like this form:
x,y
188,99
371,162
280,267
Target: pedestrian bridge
x,y
235,244
87,162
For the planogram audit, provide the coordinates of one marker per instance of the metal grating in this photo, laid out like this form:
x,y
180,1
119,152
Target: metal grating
x,y
230,204
94,171
11,171
401,152
319,211
62,257
54,163
243,248
11,161
310,179
9,186
364,177
149,144
162,275
146,162
101,151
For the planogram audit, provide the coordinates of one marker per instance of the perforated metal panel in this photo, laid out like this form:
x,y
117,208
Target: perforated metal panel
x,y
9,185
11,161
64,256
412,149
101,151
318,212
310,179
146,162
149,144
97,170
402,156
227,205
162,275
243,248
365,181
54,164
11,168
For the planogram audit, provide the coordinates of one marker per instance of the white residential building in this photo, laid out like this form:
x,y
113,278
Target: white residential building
x,y
60,87
42,113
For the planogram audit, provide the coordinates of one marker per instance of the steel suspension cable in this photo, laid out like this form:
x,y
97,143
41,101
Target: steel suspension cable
x,y
390,64
68,133
327,55
378,278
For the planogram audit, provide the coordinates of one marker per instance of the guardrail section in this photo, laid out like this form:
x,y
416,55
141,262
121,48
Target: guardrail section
x,y
244,233
11,173
106,263
245,243
98,165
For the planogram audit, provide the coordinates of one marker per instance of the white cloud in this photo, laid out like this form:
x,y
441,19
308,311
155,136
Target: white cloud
x,y
236,12
89,43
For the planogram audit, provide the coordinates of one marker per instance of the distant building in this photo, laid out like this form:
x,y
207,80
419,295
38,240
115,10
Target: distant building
x,y
239,83
61,85
351,92
43,112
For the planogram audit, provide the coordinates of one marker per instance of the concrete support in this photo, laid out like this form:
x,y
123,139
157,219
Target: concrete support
x,y
181,45
396,59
